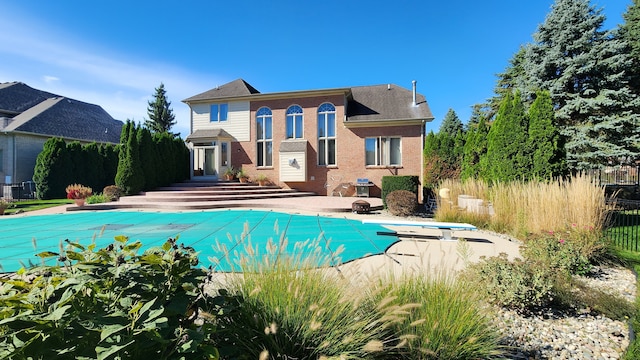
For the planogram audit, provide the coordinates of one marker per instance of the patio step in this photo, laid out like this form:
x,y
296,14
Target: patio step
x,y
201,192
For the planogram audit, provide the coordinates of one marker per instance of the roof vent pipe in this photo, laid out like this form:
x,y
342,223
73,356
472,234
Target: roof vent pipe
x,y
414,92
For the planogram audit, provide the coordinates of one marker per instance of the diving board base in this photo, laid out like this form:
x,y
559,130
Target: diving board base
x,y
446,228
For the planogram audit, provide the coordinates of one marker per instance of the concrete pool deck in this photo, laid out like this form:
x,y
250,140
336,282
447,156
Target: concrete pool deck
x,y
419,249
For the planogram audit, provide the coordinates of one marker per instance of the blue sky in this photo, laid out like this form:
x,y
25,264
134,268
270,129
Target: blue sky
x,y
116,53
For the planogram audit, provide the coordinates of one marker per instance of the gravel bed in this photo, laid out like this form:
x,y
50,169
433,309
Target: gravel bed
x,y
560,335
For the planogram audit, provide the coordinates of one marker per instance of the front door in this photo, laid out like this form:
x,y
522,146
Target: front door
x,y
205,161
211,160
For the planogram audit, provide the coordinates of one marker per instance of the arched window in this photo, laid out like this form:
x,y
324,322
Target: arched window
x,y
264,136
294,122
326,134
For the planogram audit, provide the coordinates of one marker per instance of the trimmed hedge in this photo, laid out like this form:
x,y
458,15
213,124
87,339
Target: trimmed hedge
x,y
393,183
60,164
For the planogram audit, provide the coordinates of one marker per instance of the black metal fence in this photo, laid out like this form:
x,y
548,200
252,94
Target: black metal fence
x,y
616,175
623,225
18,191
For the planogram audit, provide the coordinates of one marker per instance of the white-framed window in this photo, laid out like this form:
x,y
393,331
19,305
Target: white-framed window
x,y
295,123
326,134
264,136
383,151
218,112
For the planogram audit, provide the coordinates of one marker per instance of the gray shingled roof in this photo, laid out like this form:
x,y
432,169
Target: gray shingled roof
x,y
366,103
68,118
235,88
205,134
16,97
386,102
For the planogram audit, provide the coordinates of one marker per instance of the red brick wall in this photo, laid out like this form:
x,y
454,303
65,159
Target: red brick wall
x,y
350,152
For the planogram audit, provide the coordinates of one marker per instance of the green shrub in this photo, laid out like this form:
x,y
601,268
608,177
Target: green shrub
x,y
112,192
393,183
446,322
402,203
97,199
107,303
557,253
520,285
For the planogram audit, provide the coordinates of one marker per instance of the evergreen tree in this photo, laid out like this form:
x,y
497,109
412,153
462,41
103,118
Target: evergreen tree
x,y
94,168
508,156
630,34
148,158
451,124
583,68
109,154
51,169
474,151
512,79
130,177
544,140
161,117
434,166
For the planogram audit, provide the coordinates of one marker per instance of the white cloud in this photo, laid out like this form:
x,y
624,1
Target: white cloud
x,y
50,61
49,79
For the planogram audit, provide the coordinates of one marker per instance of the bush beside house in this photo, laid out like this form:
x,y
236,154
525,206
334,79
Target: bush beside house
x,y
393,183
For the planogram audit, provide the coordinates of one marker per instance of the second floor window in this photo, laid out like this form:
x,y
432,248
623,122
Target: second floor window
x,y
383,151
326,134
294,122
219,112
264,136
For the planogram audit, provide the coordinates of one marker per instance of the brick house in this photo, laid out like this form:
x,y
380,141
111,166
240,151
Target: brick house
x,y
29,117
311,140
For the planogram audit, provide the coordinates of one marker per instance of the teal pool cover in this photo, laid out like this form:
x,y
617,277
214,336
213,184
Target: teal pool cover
x,y
216,235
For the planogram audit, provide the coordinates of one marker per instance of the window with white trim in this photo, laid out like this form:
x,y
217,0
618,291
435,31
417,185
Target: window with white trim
x,y
383,151
264,135
294,126
218,112
326,134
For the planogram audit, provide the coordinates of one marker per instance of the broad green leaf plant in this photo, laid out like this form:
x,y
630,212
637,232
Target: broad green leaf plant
x,y
108,303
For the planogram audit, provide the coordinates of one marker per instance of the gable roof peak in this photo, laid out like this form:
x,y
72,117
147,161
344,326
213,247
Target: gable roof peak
x,y
237,87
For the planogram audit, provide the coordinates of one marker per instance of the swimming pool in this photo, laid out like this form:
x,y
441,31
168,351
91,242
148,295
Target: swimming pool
x,y
215,234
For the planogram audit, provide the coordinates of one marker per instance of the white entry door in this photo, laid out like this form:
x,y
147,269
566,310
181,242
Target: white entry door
x,y
205,161
211,160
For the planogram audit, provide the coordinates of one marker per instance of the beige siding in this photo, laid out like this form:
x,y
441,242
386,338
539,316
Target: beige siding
x,y
238,122
293,173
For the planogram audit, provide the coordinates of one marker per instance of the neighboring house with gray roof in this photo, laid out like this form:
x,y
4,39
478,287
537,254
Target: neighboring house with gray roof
x,y
311,140
29,117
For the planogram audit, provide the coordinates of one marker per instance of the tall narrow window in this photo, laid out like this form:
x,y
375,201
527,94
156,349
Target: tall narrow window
x,y
219,112
383,151
326,134
294,122
1,161
264,135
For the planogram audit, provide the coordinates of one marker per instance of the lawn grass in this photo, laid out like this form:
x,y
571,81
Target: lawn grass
x,y
31,205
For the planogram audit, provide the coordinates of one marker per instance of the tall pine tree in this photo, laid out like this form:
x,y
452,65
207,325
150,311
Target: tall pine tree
x,y
547,150
630,34
475,150
161,117
583,68
508,156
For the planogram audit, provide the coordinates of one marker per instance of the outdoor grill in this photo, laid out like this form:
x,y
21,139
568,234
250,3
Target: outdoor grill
x,y
362,187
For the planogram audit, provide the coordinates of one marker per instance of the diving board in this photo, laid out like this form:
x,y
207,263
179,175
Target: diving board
x,y
445,227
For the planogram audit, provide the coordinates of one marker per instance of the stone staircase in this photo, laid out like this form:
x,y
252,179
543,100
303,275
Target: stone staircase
x,y
206,195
